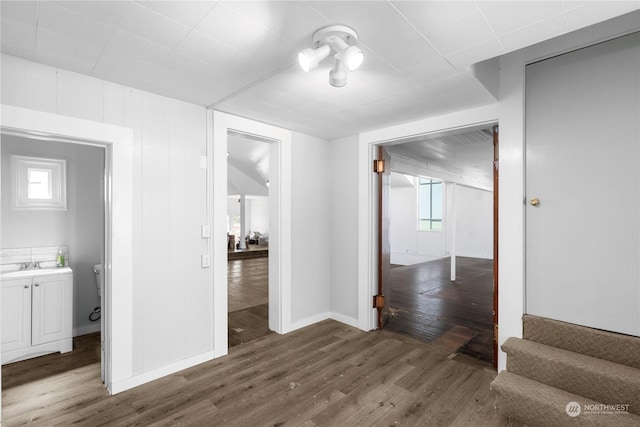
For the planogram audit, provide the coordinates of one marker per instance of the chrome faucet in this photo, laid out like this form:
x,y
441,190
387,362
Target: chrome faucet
x,y
26,266
36,265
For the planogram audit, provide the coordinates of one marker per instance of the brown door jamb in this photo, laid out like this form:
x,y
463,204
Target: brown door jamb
x,y
495,244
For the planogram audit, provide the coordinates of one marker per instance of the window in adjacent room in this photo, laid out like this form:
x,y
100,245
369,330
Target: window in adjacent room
x,y
429,204
39,183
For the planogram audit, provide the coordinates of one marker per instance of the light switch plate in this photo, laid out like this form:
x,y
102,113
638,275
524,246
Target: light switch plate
x,y
206,232
205,261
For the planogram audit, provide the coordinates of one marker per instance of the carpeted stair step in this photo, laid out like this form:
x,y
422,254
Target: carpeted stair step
x,y
617,348
541,405
587,376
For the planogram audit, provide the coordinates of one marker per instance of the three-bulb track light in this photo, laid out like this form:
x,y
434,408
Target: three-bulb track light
x,y
342,41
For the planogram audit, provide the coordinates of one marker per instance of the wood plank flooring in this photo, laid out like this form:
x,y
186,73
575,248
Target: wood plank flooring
x,y
253,251
327,374
248,283
248,324
428,306
248,295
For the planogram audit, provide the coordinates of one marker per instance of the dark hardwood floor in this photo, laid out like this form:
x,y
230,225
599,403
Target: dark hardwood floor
x,y
248,295
247,283
248,324
253,251
327,374
428,306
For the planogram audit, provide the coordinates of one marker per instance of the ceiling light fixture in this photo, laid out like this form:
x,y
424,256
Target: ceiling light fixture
x,y
341,40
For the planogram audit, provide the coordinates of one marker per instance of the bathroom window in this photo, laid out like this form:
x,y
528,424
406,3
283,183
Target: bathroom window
x,y
39,183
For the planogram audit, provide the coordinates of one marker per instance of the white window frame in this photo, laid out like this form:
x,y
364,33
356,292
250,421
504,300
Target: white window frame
x,y
441,220
20,166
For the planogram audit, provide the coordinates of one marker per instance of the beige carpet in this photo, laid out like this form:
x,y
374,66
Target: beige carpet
x,y
564,375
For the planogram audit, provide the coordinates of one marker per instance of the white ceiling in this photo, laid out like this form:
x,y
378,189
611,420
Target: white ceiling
x,y
467,155
239,56
247,165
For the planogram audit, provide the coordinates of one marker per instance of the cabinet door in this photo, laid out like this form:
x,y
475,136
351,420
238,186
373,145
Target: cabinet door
x,y
52,300
16,314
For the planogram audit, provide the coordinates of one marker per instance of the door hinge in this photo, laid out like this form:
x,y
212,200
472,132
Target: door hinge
x,y
378,166
495,332
378,301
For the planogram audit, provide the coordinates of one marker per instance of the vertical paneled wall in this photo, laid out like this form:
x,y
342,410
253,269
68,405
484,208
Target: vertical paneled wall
x,y
310,214
344,229
172,304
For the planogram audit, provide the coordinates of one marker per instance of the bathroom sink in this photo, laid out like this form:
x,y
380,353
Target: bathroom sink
x,y
35,272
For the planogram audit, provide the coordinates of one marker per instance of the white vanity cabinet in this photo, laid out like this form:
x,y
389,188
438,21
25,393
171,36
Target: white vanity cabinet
x,y
36,313
16,315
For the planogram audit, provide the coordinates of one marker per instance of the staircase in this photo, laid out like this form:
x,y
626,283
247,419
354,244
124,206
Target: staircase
x,y
562,374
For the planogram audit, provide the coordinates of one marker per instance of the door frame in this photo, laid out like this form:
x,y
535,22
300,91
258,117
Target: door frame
x,y
279,220
367,191
118,271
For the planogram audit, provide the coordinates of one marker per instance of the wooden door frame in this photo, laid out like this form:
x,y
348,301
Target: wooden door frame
x,y
380,304
382,298
374,214
496,187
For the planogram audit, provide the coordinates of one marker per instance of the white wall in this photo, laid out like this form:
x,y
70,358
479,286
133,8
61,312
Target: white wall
x,y
233,206
172,295
408,245
258,218
256,212
343,186
310,222
474,222
81,226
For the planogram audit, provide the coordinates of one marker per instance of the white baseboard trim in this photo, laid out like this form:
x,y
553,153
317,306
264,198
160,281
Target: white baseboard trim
x,y
308,321
344,319
473,255
129,383
324,316
219,353
410,259
86,329
62,346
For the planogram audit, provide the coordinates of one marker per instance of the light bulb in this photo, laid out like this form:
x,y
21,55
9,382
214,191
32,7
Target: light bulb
x,y
353,57
310,58
305,59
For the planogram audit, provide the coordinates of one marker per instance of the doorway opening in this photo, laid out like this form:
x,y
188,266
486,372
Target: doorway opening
x,y
247,237
55,311
117,143
442,283
223,127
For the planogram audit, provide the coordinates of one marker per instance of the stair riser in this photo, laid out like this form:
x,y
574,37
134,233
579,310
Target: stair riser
x,y
592,383
540,405
617,348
